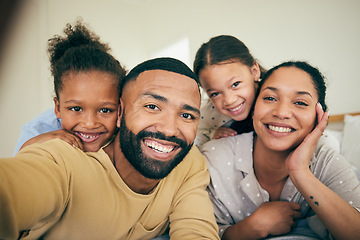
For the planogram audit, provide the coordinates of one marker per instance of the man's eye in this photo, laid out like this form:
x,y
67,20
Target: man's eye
x,y
235,84
76,109
106,110
269,98
214,94
152,106
188,116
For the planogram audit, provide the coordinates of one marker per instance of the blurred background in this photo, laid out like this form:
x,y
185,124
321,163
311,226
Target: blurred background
x,y
326,33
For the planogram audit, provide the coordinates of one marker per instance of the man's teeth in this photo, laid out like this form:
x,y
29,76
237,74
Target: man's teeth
x,y
87,136
279,129
159,147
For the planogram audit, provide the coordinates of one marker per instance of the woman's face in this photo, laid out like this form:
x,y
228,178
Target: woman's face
x,y
231,87
285,109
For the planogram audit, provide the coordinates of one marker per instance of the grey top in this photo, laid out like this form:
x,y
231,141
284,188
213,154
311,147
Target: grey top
x,y
236,193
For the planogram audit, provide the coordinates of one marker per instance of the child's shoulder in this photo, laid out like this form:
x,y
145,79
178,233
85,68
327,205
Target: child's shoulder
x,y
211,118
46,119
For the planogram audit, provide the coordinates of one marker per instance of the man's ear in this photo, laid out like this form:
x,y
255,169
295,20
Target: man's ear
x,y
120,112
57,108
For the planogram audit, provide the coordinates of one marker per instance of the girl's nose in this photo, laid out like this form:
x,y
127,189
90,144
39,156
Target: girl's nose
x,y
90,120
229,98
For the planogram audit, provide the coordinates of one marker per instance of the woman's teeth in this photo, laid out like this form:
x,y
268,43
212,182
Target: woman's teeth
x,y
279,129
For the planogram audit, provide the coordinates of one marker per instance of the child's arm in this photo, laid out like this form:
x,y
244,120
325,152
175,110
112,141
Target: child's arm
x,y
223,132
61,134
210,121
340,218
271,218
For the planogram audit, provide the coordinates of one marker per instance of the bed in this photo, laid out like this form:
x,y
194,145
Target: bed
x,y
343,134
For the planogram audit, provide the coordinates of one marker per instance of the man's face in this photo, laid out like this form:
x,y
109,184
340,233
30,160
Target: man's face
x,y
158,125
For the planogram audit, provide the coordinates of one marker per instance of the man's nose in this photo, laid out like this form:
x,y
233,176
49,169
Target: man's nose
x,y
168,125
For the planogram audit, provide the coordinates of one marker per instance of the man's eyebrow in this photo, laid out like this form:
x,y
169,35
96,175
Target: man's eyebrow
x,y
156,96
190,108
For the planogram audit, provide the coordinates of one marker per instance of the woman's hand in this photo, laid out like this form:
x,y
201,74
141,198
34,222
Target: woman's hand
x,y
271,218
276,217
61,134
299,159
343,220
223,132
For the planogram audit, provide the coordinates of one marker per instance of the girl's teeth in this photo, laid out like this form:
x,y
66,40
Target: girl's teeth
x,y
159,147
235,109
87,136
279,129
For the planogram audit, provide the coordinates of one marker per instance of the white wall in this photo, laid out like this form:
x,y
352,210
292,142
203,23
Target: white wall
x,y
324,32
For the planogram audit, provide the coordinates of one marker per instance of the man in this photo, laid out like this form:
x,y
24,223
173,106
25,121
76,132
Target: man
x,y
134,188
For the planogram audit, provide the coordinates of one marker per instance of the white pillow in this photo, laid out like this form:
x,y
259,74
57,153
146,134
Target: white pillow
x,y
350,145
332,138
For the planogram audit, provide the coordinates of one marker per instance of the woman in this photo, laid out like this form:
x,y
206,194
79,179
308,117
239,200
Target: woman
x,y
265,181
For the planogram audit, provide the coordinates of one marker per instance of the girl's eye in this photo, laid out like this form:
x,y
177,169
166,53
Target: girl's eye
x,y
301,103
106,110
152,106
214,94
187,116
76,109
235,84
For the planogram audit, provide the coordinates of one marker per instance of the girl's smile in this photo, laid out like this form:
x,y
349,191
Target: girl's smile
x,y
231,87
87,105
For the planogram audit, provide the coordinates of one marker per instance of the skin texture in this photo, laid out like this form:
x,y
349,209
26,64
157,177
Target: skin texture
x,y
156,102
87,106
231,87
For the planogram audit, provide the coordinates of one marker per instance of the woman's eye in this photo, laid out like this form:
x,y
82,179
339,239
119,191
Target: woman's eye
x,y
214,94
152,106
235,84
301,103
75,109
105,110
187,116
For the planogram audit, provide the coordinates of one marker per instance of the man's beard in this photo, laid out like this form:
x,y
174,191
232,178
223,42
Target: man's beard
x,y
150,168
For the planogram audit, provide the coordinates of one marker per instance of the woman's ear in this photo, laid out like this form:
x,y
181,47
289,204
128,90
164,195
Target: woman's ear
x,y
57,108
255,70
120,113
